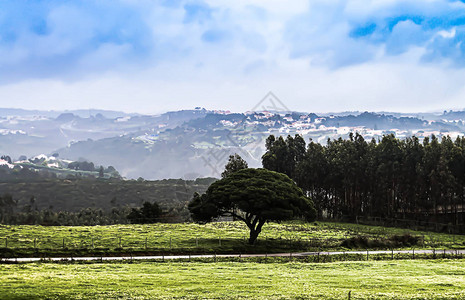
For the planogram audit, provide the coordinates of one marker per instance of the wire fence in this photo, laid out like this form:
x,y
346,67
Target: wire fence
x,y
221,243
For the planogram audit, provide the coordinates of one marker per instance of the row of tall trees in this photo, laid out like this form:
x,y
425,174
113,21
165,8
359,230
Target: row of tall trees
x,y
387,178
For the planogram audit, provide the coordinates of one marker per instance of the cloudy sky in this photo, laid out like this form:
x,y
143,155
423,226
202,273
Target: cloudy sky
x,y
154,56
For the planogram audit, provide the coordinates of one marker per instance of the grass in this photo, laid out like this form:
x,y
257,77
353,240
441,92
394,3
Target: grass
x,y
406,279
220,237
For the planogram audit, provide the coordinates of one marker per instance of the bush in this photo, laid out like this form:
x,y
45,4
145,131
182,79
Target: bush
x,y
148,213
395,241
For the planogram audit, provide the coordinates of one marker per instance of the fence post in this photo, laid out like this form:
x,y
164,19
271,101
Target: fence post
x,y
6,242
392,253
63,243
413,253
367,254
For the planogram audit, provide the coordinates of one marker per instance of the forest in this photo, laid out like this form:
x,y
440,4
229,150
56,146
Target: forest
x,y
390,178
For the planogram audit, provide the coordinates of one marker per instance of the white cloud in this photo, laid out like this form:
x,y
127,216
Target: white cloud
x,y
448,34
303,51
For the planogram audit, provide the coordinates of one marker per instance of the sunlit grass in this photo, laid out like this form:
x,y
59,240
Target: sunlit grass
x,y
407,279
219,237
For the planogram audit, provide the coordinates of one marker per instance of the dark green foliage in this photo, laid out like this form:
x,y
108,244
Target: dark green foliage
x,y
82,165
235,163
6,206
283,155
68,202
84,217
148,213
254,196
389,179
393,242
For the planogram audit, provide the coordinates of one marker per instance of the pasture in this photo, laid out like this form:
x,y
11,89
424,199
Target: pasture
x,y
404,279
219,237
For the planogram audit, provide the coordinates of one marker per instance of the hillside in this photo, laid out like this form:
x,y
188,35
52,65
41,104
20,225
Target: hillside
x,y
193,143
200,147
30,133
76,194
43,166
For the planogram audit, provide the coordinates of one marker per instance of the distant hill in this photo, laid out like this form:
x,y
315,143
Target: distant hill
x,y
195,143
201,146
83,113
77,194
63,185
30,135
42,167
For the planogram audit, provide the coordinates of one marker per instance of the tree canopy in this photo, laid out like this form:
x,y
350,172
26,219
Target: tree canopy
x,y
283,155
235,163
148,213
254,196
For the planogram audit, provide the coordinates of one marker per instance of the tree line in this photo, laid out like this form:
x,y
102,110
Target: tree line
x,y
29,214
386,178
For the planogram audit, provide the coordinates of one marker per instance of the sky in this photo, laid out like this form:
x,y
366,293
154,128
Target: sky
x,y
156,56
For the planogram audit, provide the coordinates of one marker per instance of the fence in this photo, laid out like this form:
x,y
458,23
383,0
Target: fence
x,y
198,244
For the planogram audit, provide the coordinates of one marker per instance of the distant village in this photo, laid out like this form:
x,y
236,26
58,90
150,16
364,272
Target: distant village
x,y
316,128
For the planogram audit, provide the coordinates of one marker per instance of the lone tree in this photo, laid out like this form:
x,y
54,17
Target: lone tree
x,y
254,196
235,163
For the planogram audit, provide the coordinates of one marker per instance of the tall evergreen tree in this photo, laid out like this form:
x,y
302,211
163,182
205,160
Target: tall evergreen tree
x,y
235,163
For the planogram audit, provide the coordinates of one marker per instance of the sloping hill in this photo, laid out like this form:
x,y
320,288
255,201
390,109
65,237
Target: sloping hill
x,y
77,194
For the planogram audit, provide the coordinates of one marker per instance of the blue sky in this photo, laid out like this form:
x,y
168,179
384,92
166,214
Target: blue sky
x,y
153,56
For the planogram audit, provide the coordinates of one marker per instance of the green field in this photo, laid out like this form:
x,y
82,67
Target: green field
x,y
407,279
220,237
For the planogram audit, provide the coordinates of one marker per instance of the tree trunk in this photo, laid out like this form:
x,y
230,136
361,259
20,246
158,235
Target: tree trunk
x,y
253,236
255,231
